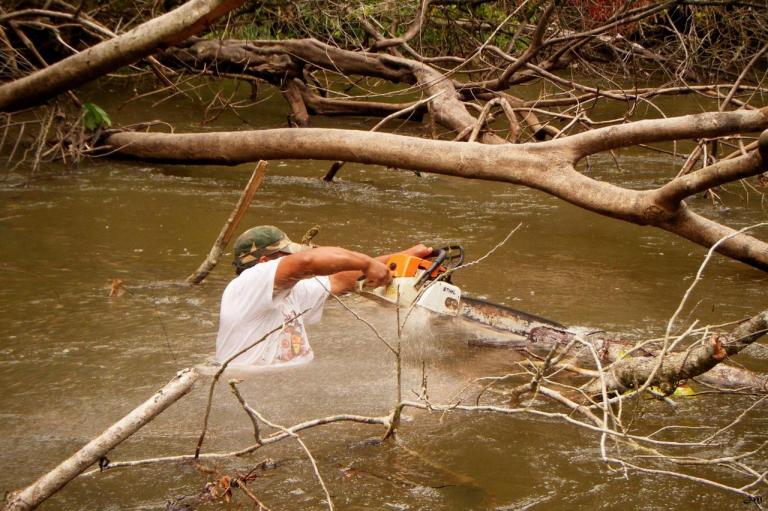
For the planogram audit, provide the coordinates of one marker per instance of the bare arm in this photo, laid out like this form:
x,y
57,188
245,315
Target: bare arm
x,y
333,261
345,267
344,282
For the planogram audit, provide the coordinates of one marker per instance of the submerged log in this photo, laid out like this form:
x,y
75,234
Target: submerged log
x,y
628,368
230,225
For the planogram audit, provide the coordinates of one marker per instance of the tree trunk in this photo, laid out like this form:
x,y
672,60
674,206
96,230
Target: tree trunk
x,y
280,62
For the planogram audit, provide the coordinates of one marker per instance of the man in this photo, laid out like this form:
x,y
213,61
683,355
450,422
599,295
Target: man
x,y
282,286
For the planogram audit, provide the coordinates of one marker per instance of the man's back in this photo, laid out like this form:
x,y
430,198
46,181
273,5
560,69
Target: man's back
x,y
251,308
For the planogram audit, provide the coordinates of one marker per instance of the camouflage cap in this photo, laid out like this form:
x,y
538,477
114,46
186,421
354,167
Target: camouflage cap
x,y
263,240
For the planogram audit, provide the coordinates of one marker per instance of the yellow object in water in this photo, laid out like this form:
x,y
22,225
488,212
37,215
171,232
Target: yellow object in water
x,y
680,391
684,390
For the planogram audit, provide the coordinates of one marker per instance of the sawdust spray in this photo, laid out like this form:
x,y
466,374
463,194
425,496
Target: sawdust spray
x,y
420,342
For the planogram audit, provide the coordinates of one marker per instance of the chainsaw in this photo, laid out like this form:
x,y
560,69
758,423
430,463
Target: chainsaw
x,y
427,283
423,282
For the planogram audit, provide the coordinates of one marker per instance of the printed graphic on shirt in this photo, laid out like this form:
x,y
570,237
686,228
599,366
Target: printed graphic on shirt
x,y
293,340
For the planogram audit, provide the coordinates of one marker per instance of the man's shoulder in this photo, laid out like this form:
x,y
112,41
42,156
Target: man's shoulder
x,y
258,272
253,281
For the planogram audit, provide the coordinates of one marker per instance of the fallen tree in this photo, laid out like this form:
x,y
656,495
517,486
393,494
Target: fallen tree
x,y
547,166
480,129
82,67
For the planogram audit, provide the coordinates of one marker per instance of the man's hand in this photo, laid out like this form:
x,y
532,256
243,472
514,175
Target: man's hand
x,y
377,274
419,250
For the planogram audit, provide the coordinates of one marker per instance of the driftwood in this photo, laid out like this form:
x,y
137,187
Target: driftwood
x,y
96,450
617,365
627,365
230,225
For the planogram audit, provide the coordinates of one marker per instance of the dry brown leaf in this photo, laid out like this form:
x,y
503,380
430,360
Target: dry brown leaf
x,y
116,289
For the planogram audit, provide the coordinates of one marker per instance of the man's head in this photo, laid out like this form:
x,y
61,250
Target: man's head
x,y
262,243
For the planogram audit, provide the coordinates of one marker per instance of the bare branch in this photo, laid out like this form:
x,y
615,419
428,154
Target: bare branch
x,y
230,225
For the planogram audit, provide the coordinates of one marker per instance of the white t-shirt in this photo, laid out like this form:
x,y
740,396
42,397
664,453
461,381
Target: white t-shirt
x,y
249,311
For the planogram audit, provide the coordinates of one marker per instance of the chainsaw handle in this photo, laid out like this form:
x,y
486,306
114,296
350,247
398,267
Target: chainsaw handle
x,y
439,254
435,252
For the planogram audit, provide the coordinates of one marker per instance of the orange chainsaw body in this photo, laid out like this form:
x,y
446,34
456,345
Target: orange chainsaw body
x,y
404,265
415,281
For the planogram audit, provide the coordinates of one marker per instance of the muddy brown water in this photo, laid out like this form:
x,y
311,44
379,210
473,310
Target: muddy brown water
x,y
73,361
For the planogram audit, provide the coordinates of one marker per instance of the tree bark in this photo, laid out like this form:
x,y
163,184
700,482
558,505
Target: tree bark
x,y
105,57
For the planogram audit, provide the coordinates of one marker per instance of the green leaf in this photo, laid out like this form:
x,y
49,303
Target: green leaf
x,y
95,117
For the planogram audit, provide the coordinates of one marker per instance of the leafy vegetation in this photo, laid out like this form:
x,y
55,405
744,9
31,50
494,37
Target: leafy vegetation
x,y
95,117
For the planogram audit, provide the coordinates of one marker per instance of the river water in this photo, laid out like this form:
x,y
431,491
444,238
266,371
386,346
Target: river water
x,y
73,360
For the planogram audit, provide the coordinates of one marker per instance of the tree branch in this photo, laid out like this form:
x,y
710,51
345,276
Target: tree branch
x,y
706,125
708,177
110,55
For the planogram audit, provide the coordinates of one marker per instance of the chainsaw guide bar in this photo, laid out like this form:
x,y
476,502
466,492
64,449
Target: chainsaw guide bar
x,y
426,283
